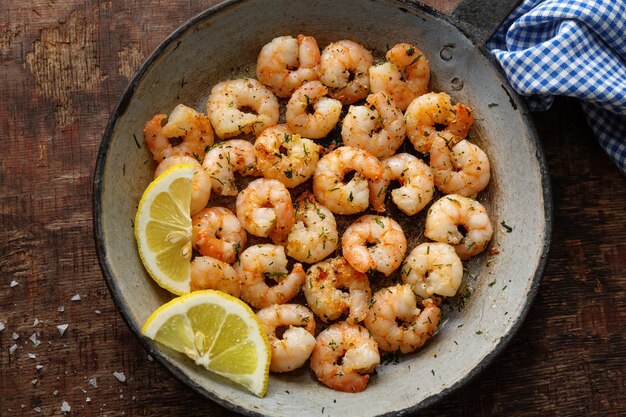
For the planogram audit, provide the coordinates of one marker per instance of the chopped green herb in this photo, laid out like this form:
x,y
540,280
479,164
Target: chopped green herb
x,y
508,228
490,105
379,222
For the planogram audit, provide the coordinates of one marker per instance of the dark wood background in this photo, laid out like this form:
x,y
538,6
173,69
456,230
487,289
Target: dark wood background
x,y
63,65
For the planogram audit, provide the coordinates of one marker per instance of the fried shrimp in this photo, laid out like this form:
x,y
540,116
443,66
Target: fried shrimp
x,y
293,348
433,268
224,159
212,274
264,209
344,69
461,222
285,63
395,321
429,113
260,262
404,76
460,169
377,127
200,183
333,288
328,181
310,112
229,104
416,184
286,157
314,235
374,243
216,232
184,132
343,356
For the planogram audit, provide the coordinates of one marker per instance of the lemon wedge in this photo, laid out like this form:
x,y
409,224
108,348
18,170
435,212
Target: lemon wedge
x,y
217,331
163,228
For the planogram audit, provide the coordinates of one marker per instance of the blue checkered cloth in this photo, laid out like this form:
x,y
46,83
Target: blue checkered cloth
x,y
574,48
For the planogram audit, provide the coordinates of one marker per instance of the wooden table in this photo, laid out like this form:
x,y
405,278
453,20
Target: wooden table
x,y
63,65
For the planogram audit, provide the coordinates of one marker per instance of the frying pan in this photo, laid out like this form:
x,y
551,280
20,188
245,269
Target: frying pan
x,y
223,42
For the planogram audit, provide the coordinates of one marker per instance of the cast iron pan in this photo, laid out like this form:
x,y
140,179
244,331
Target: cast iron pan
x,y
498,287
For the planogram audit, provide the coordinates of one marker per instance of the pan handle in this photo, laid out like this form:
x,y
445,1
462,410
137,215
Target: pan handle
x,y
481,18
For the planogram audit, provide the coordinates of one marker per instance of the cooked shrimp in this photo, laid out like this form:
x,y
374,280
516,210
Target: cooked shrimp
x,y
461,222
293,348
404,76
431,111
344,69
328,181
333,288
433,268
388,244
460,169
395,321
310,113
343,356
416,184
377,127
212,274
264,209
200,183
228,106
286,63
314,235
286,157
224,159
184,132
261,261
216,232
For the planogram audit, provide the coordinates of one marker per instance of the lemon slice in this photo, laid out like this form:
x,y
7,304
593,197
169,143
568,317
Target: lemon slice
x,y
163,228
217,331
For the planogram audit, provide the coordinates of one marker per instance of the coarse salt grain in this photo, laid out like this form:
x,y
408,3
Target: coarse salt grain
x,y
15,336
39,367
61,309
33,338
62,328
37,409
32,356
120,376
65,407
56,392
97,311
88,399
93,382
76,297
1,326
12,349
36,322
13,283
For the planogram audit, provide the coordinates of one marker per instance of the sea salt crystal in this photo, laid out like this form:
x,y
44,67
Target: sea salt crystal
x,y
150,358
36,322
93,382
62,328
76,297
39,367
13,283
97,311
88,399
120,376
56,392
37,409
12,349
65,407
15,336
1,326
32,356
61,309
33,338
34,381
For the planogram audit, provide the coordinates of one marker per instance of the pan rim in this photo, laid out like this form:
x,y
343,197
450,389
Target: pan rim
x,y
115,290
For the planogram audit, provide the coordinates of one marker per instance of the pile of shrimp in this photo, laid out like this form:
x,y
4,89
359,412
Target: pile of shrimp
x,y
310,285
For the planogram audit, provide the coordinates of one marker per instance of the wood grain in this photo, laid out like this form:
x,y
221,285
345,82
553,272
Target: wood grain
x,y
63,67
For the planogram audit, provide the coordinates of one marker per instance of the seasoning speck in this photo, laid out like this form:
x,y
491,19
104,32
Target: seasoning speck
x,y
39,367
15,336
2,326
120,376
32,356
97,311
13,283
61,309
33,338
93,382
36,322
37,409
76,297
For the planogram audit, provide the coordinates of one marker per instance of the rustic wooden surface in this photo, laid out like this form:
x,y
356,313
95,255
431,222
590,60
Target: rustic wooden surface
x,y
63,65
